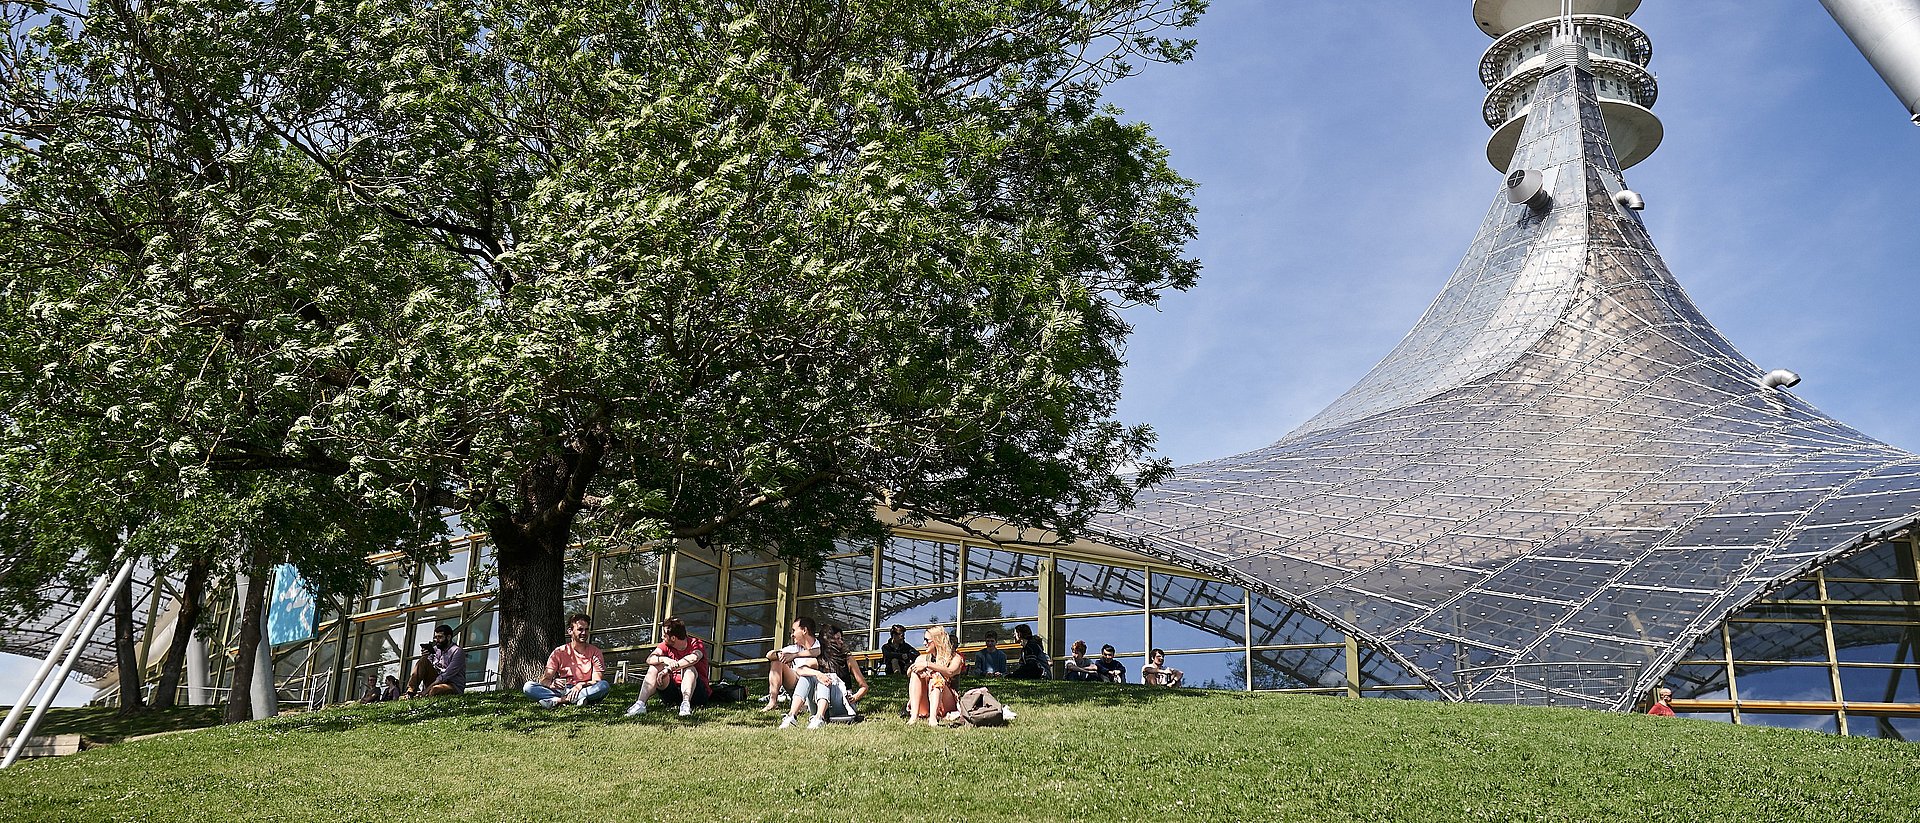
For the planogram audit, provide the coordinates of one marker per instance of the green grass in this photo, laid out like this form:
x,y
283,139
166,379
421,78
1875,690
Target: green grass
x,y
107,726
1078,751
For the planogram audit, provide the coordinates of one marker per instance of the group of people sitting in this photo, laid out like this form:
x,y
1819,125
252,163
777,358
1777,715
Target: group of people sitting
x,y
817,670
1108,669
814,670
440,669
576,672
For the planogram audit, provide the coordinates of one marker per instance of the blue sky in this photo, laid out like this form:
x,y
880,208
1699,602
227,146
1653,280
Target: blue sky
x,y
1340,155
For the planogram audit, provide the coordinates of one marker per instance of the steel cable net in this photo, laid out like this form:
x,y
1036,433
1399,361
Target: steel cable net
x,y
1559,480
35,635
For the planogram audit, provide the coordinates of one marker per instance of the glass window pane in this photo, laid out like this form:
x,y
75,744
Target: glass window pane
x,y
1878,614
1811,722
1710,647
1126,632
1798,642
391,589
1698,682
1718,717
753,650
985,564
1856,643
1873,685
747,585
918,563
1890,728
1300,669
1210,670
1098,587
920,607
482,630
626,571
619,609
841,574
1210,629
696,578
632,636
850,612
1174,592
699,620
1377,669
1017,600
1277,624
1852,590
748,622
1783,682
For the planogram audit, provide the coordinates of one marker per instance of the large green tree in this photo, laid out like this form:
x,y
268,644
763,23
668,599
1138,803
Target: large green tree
x,y
728,271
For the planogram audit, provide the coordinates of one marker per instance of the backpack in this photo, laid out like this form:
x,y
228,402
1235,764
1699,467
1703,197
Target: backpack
x,y
978,707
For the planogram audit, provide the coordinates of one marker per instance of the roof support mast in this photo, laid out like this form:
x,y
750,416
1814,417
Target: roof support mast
x,y
1887,32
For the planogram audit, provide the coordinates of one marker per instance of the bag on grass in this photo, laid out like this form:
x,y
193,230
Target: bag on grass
x,y
978,707
729,691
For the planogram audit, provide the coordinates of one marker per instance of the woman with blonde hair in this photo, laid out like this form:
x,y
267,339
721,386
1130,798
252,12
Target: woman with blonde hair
x,y
930,680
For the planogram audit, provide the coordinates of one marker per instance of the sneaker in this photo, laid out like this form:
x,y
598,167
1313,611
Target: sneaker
x,y
581,698
639,707
786,722
549,702
817,721
686,710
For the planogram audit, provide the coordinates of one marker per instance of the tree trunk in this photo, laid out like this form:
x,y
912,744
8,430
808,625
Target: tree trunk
x,y
192,594
131,677
253,609
532,591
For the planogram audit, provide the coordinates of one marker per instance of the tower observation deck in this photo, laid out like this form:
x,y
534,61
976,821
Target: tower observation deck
x,y
1525,32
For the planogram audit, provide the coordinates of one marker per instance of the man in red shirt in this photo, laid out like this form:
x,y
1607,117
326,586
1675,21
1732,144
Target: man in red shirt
x,y
677,670
1660,707
576,672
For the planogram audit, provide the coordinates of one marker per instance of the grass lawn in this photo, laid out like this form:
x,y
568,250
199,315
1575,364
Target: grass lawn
x,y
106,726
1078,751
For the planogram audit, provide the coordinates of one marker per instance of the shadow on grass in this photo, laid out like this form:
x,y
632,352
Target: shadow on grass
x,y
514,712
105,725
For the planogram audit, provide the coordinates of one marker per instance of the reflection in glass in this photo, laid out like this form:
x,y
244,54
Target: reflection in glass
x,y
848,611
1003,602
748,585
1209,629
1874,685
1856,643
623,637
746,622
986,564
1300,669
625,571
920,607
1794,642
1890,728
1783,682
628,608
844,574
1277,624
1811,722
908,562
1126,632
692,577
1173,592
1099,587
1209,670
1698,682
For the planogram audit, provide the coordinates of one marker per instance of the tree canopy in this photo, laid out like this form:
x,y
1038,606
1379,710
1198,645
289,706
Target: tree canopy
x,y
622,271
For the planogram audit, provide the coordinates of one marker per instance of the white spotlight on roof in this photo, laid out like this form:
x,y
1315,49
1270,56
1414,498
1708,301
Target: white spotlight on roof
x,y
1780,379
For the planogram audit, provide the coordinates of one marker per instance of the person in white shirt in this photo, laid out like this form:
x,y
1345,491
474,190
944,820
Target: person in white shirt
x,y
781,678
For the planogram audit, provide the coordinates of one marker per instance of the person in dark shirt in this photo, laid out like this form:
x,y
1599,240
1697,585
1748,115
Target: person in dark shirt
x,y
1109,669
1034,664
991,661
897,654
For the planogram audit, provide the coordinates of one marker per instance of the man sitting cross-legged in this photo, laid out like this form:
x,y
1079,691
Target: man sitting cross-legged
x,y
576,671
677,670
804,649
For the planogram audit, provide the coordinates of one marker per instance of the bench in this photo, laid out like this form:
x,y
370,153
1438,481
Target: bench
x,y
50,745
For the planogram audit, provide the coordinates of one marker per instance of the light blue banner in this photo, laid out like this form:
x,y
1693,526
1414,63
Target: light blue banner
x,y
290,615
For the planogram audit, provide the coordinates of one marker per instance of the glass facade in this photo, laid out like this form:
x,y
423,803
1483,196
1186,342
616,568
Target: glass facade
x,y
1221,635
1561,478
1837,650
